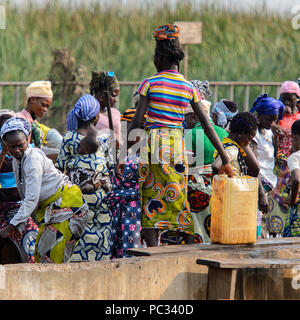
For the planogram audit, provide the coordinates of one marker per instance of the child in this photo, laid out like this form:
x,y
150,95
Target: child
x,y
292,224
89,144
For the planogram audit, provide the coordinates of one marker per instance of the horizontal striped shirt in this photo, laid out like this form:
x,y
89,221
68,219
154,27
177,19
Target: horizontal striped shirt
x,y
169,95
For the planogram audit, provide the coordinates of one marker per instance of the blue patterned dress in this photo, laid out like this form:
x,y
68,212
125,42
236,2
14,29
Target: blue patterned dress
x,y
95,243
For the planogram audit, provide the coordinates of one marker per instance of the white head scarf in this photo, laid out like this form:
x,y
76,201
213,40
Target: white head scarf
x,y
15,124
223,113
40,89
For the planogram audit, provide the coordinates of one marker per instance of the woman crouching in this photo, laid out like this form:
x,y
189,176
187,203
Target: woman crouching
x,y
59,206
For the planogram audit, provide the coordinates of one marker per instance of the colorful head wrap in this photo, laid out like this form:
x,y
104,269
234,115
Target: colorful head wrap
x,y
223,113
85,109
15,124
202,87
290,87
40,89
268,105
101,79
167,31
129,114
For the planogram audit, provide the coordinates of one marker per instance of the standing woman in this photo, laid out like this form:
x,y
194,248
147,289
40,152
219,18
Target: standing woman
x,y
264,145
10,200
163,165
60,208
289,95
105,87
84,156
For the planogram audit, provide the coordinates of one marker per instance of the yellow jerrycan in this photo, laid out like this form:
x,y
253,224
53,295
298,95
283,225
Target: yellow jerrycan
x,y
234,207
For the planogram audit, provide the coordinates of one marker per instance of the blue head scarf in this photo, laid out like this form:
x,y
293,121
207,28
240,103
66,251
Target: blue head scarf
x,y
85,109
268,105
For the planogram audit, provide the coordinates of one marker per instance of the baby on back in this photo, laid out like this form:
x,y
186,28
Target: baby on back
x,y
89,144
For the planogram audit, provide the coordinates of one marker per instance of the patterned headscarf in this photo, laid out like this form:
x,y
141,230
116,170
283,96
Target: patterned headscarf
x,y
85,109
15,124
202,87
167,31
129,114
223,113
268,105
100,79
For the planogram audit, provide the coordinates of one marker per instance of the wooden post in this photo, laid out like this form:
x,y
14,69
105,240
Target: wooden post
x,y
1,96
17,99
246,99
186,60
221,284
190,32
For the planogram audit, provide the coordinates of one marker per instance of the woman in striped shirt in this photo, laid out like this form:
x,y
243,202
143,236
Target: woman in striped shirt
x,y
163,164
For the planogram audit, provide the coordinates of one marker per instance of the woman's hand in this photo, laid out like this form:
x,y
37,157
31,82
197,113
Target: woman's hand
x,y
9,232
120,167
276,129
263,204
288,110
226,169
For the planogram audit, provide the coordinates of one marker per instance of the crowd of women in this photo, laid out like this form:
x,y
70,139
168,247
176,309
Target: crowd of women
x,y
101,189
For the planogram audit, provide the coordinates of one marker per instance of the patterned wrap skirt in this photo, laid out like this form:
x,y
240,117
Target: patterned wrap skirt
x,y
199,194
125,205
62,219
95,242
26,239
278,214
163,182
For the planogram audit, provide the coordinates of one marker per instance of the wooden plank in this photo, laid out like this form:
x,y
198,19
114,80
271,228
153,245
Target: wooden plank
x,y
225,248
249,263
150,251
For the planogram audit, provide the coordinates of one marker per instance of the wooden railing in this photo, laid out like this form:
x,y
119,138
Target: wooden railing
x,y
19,96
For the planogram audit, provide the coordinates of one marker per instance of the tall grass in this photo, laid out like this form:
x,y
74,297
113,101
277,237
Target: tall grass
x,y
236,45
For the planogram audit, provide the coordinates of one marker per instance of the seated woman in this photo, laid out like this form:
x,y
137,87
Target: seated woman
x,y
59,206
84,156
190,118
289,94
10,200
243,129
264,145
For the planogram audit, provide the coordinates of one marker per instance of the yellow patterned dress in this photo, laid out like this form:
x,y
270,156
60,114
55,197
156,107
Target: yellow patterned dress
x,y
163,182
